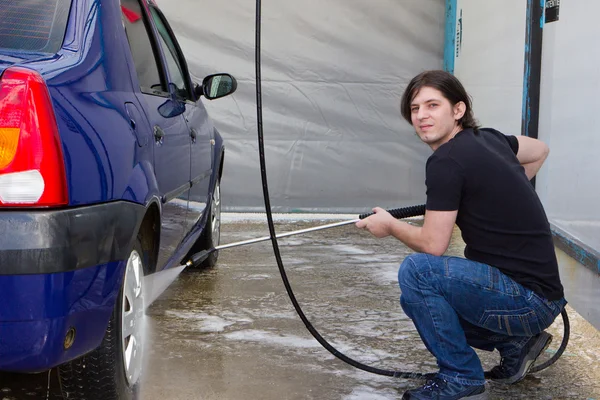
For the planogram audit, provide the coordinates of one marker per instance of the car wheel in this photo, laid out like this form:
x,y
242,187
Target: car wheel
x,y
212,231
113,370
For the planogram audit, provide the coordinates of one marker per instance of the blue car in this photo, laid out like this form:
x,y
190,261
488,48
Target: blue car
x,y
110,171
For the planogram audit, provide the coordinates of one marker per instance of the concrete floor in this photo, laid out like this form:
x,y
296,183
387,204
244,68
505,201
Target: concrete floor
x,y
231,332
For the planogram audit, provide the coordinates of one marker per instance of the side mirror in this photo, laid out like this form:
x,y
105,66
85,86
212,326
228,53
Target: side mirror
x,y
216,86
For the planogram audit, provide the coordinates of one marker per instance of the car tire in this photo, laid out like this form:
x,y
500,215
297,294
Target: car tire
x,y
113,370
212,232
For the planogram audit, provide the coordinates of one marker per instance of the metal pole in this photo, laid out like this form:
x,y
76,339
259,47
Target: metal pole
x,y
299,232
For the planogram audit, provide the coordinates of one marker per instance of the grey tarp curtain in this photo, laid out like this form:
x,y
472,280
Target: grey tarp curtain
x,y
333,73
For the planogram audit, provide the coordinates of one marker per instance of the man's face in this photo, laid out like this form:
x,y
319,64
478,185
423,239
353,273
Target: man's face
x,y
434,118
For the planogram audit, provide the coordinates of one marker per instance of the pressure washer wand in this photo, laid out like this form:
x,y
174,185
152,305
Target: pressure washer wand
x,y
397,213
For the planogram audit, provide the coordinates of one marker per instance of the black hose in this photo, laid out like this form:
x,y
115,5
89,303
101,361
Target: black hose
x,y
288,288
397,213
563,344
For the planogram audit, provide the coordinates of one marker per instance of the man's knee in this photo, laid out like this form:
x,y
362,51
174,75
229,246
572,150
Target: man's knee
x,y
411,268
406,306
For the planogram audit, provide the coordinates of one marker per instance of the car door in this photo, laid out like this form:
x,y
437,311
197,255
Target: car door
x,y
170,135
196,117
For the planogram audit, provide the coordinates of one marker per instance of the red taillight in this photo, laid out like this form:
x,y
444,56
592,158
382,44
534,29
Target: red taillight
x,y
32,171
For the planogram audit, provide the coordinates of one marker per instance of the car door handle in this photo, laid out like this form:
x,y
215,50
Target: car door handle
x,y
134,115
193,134
159,134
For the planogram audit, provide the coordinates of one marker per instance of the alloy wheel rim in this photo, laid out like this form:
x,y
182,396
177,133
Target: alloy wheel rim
x,y
132,316
216,215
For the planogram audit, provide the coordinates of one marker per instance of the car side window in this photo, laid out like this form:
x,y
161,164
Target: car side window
x,y
144,54
173,57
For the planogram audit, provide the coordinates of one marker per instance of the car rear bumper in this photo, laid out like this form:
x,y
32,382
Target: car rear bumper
x,y
60,270
37,311
50,241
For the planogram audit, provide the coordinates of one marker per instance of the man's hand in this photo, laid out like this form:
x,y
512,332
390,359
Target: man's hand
x,y
432,238
378,224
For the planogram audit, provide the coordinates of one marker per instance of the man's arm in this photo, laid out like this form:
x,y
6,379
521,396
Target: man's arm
x,y
532,154
432,238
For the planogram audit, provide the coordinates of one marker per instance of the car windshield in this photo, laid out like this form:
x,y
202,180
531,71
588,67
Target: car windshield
x,y
33,25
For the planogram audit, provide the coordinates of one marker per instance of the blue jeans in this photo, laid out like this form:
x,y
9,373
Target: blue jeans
x,y
457,304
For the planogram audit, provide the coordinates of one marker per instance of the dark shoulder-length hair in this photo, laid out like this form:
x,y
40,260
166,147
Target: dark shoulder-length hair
x,y
448,85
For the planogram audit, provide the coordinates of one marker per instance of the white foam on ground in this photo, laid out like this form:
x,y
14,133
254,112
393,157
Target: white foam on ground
x,y
214,324
252,335
256,277
386,273
270,314
342,248
366,328
367,355
294,242
208,323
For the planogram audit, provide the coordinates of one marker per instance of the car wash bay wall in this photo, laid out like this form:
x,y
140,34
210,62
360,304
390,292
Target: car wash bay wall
x,y
570,120
333,73
490,48
485,51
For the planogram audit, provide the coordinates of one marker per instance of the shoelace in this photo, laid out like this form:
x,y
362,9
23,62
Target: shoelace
x,y
499,369
435,383
503,362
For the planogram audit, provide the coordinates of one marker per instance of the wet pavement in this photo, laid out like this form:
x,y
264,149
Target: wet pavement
x,y
231,332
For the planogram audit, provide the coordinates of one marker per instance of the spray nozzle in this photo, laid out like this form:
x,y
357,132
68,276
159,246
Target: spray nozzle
x,y
197,258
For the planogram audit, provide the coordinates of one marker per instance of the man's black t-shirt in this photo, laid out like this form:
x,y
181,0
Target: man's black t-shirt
x,y
500,216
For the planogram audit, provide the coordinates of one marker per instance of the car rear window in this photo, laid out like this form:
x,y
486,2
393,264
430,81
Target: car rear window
x,y
33,25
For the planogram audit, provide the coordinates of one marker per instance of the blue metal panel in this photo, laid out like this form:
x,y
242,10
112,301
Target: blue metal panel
x,y
533,67
582,285
37,311
450,36
576,249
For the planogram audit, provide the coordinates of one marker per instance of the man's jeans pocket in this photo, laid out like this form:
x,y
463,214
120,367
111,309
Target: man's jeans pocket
x,y
547,310
522,322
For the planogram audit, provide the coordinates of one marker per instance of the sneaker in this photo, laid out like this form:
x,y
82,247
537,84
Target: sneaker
x,y
513,369
439,389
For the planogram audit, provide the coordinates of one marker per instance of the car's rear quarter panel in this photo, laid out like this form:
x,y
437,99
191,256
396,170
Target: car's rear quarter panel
x,y
90,84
